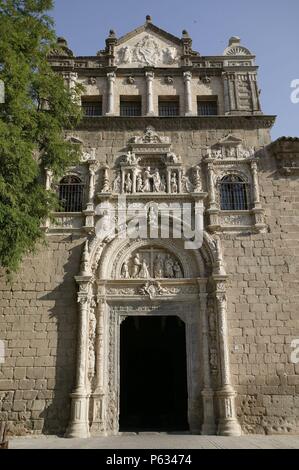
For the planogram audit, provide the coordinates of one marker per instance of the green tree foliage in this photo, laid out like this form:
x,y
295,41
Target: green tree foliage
x,y
37,110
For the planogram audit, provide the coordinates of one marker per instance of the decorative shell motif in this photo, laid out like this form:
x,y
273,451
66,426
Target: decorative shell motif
x,y
237,50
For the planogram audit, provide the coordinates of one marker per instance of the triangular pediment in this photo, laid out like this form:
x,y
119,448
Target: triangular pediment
x,y
230,140
148,46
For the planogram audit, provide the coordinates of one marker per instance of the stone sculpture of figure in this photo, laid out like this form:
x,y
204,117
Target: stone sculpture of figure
x,y
106,183
125,274
128,183
139,183
131,159
217,153
144,272
169,265
147,178
187,185
231,152
174,183
153,216
156,181
136,266
177,270
163,184
158,267
197,180
117,184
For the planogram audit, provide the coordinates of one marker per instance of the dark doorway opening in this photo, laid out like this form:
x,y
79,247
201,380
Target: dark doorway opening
x,y
153,374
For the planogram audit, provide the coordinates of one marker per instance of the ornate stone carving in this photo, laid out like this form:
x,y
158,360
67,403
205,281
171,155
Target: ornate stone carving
x,y
88,155
147,52
92,335
130,80
106,181
151,263
154,289
197,179
150,137
187,186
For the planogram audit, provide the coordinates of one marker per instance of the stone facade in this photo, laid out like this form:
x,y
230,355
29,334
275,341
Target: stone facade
x,y
236,294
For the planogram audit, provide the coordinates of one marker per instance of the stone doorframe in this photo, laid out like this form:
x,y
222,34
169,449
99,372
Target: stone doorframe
x,y
95,405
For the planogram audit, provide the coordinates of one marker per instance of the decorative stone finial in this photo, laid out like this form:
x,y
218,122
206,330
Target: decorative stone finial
x,y
234,40
185,33
62,42
148,19
112,33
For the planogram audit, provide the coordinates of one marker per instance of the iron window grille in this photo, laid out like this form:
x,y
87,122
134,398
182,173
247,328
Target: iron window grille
x,y
169,108
130,108
71,194
92,108
207,108
234,194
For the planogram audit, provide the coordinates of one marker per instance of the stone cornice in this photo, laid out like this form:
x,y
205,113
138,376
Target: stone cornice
x,y
118,123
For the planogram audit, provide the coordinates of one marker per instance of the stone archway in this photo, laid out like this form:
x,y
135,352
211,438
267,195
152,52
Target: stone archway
x,y
106,298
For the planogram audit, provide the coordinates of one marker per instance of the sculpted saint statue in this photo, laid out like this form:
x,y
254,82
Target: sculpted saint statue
x,y
144,272
156,181
136,266
117,184
158,267
128,184
125,274
147,178
169,265
174,183
139,183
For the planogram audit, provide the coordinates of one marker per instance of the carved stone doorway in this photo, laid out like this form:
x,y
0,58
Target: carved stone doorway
x,y
153,374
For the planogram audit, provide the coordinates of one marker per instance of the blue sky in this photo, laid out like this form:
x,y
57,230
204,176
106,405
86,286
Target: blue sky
x,y
269,28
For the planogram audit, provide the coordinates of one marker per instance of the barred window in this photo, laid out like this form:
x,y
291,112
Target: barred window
x,y
169,107
71,194
207,106
233,194
92,107
130,106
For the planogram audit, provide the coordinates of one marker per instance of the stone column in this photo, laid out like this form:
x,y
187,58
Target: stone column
x,y
110,101
169,172
79,422
256,191
228,423
134,179
98,396
188,93
149,93
208,426
212,194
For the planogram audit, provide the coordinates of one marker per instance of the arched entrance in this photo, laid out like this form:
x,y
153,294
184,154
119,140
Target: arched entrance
x,y
124,280
153,374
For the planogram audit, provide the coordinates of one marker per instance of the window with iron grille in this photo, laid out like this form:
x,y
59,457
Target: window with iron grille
x,y
130,107
169,107
207,107
92,108
233,194
71,194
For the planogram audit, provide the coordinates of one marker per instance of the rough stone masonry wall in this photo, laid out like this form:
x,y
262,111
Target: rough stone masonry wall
x,y
263,309
38,310
38,323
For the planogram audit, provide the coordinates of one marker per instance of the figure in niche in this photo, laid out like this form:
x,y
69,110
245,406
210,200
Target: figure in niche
x,y
169,265
117,184
163,184
136,266
153,216
156,181
144,272
158,267
125,274
147,181
197,180
139,183
187,186
174,183
177,270
231,152
128,184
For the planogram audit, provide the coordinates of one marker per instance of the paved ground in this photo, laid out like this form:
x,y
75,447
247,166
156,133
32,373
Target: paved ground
x,y
157,441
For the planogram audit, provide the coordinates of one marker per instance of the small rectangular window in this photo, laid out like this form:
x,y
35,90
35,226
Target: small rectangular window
x,y
169,106
130,106
92,106
207,106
